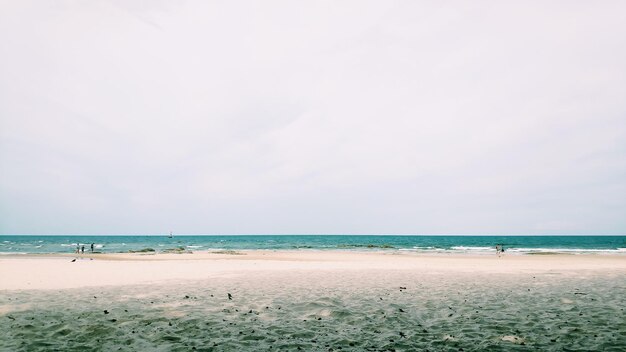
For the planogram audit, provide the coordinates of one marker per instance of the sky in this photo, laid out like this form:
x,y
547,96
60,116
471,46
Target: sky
x,y
312,117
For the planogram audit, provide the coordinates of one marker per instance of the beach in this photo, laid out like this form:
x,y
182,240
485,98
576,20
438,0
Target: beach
x,y
312,300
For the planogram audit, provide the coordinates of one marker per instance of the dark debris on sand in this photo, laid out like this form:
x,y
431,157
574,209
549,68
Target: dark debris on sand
x,y
321,320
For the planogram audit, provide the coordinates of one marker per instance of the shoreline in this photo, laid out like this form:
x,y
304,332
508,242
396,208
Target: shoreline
x,y
306,251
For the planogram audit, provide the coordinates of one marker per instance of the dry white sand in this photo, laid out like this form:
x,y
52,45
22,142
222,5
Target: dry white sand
x,y
59,272
312,300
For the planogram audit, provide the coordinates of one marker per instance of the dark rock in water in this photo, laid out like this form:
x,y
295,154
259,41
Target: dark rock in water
x,y
401,310
186,297
178,250
106,311
230,297
402,288
144,250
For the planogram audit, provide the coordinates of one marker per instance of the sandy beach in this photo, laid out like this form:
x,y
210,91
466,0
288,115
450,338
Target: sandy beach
x,y
58,271
312,300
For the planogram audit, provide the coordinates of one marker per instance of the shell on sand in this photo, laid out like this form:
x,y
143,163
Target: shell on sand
x,y
512,338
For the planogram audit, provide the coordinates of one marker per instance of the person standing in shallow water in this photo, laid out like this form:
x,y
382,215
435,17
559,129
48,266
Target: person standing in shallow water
x,y
92,248
499,250
82,249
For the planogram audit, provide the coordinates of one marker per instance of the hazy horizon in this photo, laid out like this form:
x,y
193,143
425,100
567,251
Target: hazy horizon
x,y
310,234
277,117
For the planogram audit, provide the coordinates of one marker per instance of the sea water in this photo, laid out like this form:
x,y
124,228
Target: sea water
x,y
415,243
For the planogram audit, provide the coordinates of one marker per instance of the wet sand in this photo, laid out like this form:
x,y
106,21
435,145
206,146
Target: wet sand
x,y
313,301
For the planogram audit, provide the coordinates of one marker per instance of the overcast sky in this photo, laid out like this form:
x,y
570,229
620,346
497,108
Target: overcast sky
x,y
313,117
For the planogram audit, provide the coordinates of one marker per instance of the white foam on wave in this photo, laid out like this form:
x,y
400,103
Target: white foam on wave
x,y
566,250
464,248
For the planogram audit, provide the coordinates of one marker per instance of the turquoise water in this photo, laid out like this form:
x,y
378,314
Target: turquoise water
x,y
455,244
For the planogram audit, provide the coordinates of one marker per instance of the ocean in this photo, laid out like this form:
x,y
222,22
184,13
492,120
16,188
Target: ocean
x,y
30,244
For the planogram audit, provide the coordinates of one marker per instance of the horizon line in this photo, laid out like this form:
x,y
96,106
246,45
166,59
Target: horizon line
x,y
309,234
